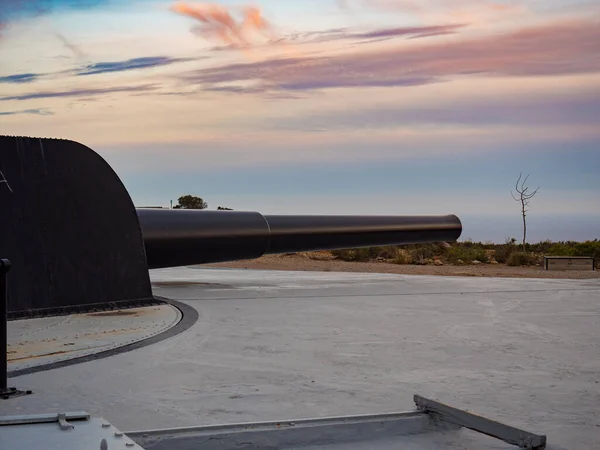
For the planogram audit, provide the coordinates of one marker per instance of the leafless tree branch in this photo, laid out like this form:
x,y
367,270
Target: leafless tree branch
x,y
523,198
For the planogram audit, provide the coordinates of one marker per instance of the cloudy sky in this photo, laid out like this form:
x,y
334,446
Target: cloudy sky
x,y
323,106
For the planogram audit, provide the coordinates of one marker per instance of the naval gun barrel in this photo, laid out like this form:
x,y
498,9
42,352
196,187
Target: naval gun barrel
x,y
179,237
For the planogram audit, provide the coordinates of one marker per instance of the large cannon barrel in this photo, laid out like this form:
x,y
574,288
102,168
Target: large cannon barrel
x,y
178,237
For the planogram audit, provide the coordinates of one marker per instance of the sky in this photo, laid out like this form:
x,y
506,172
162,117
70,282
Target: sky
x,y
324,106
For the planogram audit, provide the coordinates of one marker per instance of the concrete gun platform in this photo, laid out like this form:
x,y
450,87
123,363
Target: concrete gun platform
x,y
50,340
290,345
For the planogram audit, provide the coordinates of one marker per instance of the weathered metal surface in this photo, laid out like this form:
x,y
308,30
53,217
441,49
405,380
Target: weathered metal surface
x,y
506,433
68,226
175,237
569,263
348,432
41,341
353,431
431,418
64,431
275,345
42,418
4,269
303,233
182,237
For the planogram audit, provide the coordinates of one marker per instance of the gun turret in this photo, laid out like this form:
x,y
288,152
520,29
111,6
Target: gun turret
x,y
77,242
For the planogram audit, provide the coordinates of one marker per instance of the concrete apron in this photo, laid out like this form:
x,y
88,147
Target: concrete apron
x,y
47,340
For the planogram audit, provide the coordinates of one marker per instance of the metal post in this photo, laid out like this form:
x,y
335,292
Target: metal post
x,y
4,268
5,391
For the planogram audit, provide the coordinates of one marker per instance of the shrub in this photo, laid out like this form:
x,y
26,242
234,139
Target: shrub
x,y
362,254
587,248
504,251
520,259
403,257
540,247
344,254
469,244
319,256
424,252
357,254
466,254
389,252
468,251
561,249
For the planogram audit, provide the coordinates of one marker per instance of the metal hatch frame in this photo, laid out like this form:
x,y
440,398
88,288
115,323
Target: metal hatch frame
x,y
79,431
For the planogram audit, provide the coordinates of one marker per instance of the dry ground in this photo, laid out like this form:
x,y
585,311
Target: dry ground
x,y
306,262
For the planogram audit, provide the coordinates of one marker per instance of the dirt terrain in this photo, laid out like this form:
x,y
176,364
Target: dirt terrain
x,y
322,262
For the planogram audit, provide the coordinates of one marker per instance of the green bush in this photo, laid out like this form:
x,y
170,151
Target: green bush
x,y
389,252
469,244
367,253
540,247
424,252
587,248
561,249
466,255
520,259
503,253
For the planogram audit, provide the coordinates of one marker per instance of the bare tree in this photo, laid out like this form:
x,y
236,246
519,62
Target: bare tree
x,y
523,197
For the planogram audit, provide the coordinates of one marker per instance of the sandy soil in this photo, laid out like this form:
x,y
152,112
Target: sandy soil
x,y
305,262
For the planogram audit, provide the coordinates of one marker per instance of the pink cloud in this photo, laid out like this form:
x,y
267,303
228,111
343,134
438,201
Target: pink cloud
x,y
217,22
558,48
471,11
